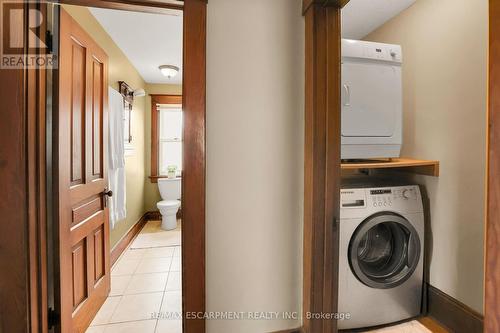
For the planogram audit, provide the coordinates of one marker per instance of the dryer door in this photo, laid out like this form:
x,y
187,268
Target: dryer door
x,y
384,251
371,99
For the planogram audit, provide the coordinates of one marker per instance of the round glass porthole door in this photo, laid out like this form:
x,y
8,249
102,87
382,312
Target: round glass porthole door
x,y
384,251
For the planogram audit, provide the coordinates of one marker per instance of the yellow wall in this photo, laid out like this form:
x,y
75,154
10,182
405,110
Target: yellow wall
x,y
445,47
151,194
120,69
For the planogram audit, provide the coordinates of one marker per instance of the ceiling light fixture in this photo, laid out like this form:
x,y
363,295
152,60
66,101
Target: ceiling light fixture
x,y
169,71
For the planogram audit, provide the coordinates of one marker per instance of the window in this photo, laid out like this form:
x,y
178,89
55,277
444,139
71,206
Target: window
x,y
170,137
166,134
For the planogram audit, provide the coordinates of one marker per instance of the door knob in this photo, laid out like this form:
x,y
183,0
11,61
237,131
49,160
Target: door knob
x,y
106,194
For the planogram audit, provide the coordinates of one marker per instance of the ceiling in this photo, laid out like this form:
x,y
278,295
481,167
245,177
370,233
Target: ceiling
x,y
360,17
148,40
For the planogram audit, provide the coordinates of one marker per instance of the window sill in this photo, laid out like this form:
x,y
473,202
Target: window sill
x,y
154,179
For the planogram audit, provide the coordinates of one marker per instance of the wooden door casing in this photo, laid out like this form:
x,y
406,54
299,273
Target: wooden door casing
x,y
492,238
84,264
19,89
322,164
194,167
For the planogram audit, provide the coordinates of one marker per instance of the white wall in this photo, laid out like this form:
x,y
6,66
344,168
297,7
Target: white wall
x,y
445,47
255,125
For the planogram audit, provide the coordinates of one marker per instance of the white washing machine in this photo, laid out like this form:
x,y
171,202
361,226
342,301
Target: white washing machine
x,y
372,100
381,255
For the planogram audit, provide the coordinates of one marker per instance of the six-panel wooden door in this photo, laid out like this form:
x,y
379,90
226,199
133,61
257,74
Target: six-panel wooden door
x,y
84,265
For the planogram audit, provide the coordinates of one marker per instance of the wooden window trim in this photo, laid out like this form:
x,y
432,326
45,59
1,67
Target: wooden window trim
x,y
155,144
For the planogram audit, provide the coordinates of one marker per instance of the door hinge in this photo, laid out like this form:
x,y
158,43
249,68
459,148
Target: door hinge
x,y
336,224
49,41
53,318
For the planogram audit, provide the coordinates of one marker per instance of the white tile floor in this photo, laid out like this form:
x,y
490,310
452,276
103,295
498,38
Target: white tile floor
x,y
145,283
410,327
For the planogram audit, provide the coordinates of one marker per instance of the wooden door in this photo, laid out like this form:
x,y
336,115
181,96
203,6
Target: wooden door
x,y
84,266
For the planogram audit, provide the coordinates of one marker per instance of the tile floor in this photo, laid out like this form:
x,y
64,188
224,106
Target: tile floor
x,y
409,327
145,283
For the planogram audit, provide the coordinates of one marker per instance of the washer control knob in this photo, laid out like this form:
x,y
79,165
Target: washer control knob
x,y
407,194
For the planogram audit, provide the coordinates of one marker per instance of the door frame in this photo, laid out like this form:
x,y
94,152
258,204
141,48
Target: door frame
x,y
194,159
23,205
322,164
23,171
492,228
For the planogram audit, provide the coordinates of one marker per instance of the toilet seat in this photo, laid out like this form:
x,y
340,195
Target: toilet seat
x,y
169,204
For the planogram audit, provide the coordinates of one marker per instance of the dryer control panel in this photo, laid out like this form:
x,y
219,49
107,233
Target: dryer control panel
x,y
371,200
356,49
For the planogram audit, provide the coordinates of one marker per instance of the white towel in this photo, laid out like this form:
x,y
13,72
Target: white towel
x,y
116,158
116,142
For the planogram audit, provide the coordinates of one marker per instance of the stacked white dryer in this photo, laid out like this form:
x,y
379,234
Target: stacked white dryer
x,y
372,100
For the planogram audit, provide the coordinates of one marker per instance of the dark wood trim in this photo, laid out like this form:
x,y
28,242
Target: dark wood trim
x,y
322,165
194,163
23,263
156,215
153,215
154,179
14,284
128,238
432,325
37,187
147,6
166,99
325,3
294,330
453,314
492,229
158,99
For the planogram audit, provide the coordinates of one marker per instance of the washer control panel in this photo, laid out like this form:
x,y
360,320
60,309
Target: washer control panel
x,y
405,198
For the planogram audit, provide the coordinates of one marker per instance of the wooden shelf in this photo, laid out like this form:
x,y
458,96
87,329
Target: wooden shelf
x,y
422,167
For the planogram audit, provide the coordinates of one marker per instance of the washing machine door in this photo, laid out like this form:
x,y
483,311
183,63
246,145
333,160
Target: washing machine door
x,y
384,251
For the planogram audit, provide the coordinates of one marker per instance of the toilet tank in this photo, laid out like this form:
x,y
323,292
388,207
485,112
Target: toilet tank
x,y
170,189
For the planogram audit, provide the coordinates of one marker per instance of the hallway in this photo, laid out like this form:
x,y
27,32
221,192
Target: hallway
x,y
145,286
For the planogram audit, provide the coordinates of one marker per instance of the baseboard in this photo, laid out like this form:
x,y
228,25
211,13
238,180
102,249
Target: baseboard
x,y
294,330
125,241
156,216
454,315
153,216
432,325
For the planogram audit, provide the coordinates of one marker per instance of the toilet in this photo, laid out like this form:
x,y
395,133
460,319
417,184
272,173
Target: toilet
x,y
170,191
